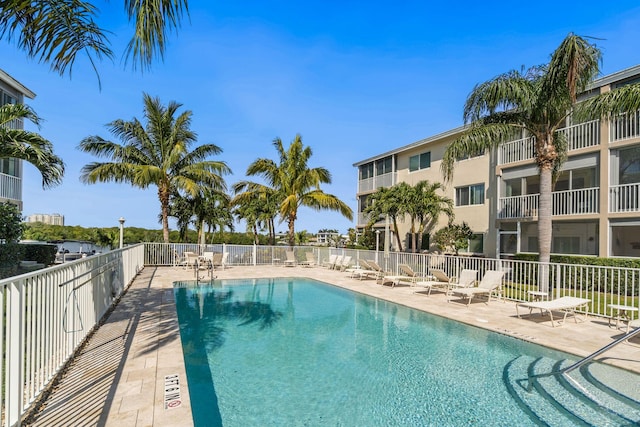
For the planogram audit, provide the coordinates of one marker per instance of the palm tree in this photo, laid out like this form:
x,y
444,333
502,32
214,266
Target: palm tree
x,y
181,208
537,101
258,205
391,202
28,146
55,32
156,154
425,208
295,184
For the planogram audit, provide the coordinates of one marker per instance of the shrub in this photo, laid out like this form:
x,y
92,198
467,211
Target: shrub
x,y
43,254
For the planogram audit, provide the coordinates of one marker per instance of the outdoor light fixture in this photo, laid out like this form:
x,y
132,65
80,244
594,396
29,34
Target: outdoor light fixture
x,y
121,221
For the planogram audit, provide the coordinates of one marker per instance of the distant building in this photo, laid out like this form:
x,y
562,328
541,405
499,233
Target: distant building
x,y
327,237
12,92
51,219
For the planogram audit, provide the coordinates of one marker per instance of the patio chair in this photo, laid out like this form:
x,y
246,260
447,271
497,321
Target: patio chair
x,y
378,272
219,260
329,263
361,270
291,259
490,282
344,263
310,260
190,260
408,275
443,282
566,305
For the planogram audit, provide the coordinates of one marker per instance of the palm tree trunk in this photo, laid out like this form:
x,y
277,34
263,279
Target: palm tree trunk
x,y
292,231
545,225
163,195
397,233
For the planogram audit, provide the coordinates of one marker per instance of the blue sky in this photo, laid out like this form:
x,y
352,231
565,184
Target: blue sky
x,y
355,79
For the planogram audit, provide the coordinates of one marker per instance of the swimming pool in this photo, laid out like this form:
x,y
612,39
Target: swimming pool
x,y
298,352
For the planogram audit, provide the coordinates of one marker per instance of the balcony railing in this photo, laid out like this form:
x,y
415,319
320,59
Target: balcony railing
x,y
372,184
624,126
518,206
10,187
515,151
578,136
624,198
582,135
570,202
576,202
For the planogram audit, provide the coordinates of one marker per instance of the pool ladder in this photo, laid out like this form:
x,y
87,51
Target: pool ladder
x,y
587,359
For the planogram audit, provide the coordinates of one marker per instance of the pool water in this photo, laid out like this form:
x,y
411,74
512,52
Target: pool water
x,y
298,352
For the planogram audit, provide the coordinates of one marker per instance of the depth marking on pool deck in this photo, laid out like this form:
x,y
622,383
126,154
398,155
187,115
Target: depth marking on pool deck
x,y
172,391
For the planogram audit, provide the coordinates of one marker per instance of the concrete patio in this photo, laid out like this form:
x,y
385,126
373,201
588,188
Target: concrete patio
x,y
119,376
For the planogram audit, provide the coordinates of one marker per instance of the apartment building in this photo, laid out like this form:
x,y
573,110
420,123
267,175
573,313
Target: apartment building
x,y
596,198
51,219
12,92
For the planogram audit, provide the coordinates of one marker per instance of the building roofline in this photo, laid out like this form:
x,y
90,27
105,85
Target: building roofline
x,y
615,77
423,141
16,85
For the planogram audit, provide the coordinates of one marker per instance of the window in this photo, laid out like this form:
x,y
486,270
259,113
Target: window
x,y
383,166
420,161
629,165
476,243
366,171
470,195
477,153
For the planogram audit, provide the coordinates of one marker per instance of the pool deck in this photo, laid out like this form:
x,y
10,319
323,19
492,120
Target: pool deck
x,y
118,377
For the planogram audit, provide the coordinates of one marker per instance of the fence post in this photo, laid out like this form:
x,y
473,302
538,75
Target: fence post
x,y
255,255
14,391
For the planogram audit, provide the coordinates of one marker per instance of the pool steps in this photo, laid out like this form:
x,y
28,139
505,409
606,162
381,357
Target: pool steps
x,y
594,395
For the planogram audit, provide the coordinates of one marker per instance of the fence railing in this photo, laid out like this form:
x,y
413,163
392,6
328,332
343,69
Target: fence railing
x,y
47,314
581,135
10,187
624,198
624,126
602,284
373,183
568,202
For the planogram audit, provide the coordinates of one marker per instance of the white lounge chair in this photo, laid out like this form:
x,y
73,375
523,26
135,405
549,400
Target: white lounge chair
x,y
361,270
408,276
329,263
310,260
344,263
190,260
443,282
491,282
291,259
566,305
378,272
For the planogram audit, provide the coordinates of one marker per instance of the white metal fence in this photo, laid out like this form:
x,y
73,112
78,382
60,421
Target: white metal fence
x,y
46,315
602,284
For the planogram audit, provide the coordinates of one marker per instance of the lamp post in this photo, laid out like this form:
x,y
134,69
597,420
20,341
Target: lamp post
x,y
377,244
121,221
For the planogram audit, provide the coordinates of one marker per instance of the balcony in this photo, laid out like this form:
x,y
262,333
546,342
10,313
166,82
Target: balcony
x,y
10,187
625,126
570,202
373,183
578,136
624,198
